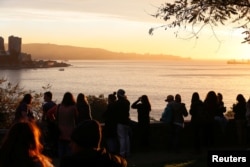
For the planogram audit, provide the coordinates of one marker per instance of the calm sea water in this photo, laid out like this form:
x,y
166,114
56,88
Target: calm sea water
x,y
156,79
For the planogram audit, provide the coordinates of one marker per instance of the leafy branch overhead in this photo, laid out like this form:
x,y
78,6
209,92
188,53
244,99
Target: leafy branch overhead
x,y
200,13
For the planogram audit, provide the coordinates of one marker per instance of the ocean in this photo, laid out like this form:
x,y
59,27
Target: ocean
x,y
157,79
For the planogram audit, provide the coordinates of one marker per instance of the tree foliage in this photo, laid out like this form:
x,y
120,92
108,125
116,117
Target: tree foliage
x,y
11,95
200,13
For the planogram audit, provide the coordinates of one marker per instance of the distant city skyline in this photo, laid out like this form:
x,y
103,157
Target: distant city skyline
x,y
119,26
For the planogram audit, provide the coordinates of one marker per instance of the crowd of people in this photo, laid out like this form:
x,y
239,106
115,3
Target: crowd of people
x,y
71,134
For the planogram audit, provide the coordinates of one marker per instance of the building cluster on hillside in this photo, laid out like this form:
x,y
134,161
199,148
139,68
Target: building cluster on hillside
x,y
14,58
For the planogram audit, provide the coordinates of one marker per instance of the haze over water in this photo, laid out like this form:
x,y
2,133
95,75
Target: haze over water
x,y
156,79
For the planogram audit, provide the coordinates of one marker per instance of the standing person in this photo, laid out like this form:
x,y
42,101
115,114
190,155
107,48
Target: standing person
x,y
239,110
66,118
83,108
143,107
248,121
210,107
86,149
219,115
23,111
122,106
50,136
179,112
198,119
167,114
21,147
110,128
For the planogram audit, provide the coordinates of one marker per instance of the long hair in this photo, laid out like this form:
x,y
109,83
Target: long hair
x,y
22,144
27,99
68,99
195,97
81,98
145,101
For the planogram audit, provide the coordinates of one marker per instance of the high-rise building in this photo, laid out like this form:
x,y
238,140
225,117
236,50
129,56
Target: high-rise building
x,y
2,50
14,45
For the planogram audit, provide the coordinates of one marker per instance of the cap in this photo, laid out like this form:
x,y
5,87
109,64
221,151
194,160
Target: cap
x,y
169,98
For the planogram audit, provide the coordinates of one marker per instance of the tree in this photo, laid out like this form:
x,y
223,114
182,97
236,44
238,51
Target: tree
x,y
10,96
201,13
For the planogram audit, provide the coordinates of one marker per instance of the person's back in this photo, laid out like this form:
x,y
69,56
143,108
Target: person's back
x,y
86,149
83,108
122,107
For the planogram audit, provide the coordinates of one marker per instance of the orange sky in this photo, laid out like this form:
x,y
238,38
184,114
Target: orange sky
x,y
120,26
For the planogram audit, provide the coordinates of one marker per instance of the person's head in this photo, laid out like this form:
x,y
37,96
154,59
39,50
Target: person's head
x,y
178,98
240,98
23,137
81,98
87,135
27,98
112,97
145,100
220,97
211,98
68,99
121,93
169,98
195,97
47,96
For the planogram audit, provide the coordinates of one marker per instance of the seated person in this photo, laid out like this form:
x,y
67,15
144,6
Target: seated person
x,y
86,150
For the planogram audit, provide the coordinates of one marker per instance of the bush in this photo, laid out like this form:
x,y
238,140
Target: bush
x,y
10,96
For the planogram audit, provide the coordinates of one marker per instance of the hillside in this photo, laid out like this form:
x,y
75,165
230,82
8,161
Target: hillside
x,y
61,52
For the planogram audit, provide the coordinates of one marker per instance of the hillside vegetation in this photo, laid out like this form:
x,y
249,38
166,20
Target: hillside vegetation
x,y
61,52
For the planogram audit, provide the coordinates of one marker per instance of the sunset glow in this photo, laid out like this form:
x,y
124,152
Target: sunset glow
x,y
112,25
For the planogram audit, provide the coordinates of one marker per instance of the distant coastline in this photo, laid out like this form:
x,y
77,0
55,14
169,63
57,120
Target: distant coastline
x,y
35,64
238,62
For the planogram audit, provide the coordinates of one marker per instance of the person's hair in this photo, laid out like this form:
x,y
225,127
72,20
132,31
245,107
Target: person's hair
x,y
178,98
87,134
21,144
48,94
81,98
195,97
26,98
112,97
211,98
240,98
145,100
68,99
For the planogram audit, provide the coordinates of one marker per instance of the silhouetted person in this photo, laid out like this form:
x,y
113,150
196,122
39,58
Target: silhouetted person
x,y
66,118
49,134
179,112
248,121
23,111
86,149
198,120
211,107
219,115
143,107
167,114
83,108
239,110
21,147
123,120
110,128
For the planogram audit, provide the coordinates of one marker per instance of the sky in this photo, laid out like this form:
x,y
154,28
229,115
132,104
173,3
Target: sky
x,y
115,25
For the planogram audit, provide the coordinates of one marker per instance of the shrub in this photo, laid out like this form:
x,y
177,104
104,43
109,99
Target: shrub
x,y
10,96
